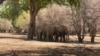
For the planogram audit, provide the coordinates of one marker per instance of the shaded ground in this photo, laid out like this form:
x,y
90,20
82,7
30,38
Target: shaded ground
x,y
17,45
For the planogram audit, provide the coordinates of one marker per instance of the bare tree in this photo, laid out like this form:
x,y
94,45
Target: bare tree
x,y
79,19
95,14
92,15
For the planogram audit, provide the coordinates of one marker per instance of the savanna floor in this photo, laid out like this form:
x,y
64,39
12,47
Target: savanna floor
x,y
17,45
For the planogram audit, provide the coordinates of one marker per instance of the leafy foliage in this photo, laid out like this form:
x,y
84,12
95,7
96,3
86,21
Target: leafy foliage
x,y
75,3
43,3
23,21
13,8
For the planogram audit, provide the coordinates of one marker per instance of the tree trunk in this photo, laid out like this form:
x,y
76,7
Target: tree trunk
x,y
34,7
93,32
80,39
92,39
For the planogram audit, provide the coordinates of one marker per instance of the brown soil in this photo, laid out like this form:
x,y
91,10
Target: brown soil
x,y
17,45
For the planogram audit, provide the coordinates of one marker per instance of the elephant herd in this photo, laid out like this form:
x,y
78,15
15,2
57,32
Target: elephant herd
x,y
55,33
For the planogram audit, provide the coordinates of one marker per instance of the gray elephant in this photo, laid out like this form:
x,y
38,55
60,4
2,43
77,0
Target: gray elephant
x,y
61,33
48,32
45,32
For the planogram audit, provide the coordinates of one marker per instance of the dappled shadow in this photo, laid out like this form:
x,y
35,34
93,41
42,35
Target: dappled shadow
x,y
59,51
84,42
24,37
72,42
19,33
34,39
13,37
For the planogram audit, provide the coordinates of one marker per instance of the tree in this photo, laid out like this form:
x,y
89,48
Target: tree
x,y
12,9
94,16
34,8
78,18
35,5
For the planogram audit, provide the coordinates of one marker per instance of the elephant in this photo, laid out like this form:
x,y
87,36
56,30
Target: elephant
x,y
61,33
45,32
48,32
38,32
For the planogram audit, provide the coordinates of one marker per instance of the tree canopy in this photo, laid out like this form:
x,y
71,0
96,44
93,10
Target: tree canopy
x,y
13,8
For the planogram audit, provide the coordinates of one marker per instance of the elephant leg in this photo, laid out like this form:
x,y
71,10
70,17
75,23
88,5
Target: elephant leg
x,y
45,37
61,37
56,38
68,38
50,38
40,36
64,39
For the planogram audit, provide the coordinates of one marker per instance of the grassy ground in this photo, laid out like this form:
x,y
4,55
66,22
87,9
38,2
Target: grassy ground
x,y
17,45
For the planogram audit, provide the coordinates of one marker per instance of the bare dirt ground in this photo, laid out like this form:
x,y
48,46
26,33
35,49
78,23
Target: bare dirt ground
x,y
17,45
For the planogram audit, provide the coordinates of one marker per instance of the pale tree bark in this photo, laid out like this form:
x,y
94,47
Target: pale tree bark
x,y
34,8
